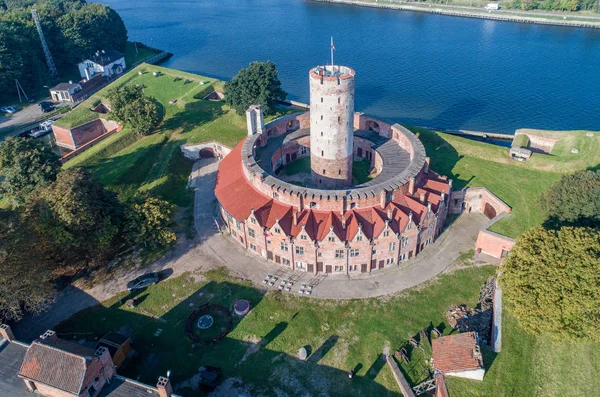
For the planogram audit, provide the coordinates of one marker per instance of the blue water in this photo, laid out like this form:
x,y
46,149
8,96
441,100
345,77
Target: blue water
x,y
427,70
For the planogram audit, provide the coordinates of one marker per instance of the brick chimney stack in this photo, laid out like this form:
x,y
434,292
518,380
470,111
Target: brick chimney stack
x,y
411,186
164,387
343,221
389,214
426,168
6,332
295,218
422,197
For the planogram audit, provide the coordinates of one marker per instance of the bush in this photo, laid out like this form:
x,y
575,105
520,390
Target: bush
x,y
550,281
573,200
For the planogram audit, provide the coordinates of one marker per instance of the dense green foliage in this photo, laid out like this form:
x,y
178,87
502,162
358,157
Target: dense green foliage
x,y
25,282
26,165
258,84
132,107
73,30
551,283
573,199
552,5
78,214
147,221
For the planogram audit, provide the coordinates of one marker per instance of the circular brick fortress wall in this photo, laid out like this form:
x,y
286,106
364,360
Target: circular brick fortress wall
x,y
399,174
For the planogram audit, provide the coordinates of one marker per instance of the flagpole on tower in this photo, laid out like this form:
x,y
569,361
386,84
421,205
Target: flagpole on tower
x,y
332,48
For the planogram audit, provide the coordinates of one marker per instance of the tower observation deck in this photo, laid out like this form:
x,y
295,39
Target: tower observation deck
x,y
331,126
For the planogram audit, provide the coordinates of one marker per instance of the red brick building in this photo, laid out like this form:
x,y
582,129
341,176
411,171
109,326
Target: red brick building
x,y
458,355
347,230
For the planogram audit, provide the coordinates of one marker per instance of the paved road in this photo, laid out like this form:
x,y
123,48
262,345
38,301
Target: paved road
x,y
212,249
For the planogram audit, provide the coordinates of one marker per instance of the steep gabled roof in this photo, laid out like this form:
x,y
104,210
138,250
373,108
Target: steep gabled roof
x,y
57,363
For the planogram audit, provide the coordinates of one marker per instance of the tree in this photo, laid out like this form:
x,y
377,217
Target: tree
x,y
26,165
550,281
131,106
78,215
25,284
573,199
147,221
258,84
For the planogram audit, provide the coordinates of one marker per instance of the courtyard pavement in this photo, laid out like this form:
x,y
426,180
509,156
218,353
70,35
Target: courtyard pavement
x,y
212,249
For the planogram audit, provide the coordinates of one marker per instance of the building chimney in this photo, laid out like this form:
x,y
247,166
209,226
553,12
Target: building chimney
x,y
411,186
442,197
382,199
409,217
426,167
164,387
343,221
6,332
429,206
49,335
295,214
389,213
422,197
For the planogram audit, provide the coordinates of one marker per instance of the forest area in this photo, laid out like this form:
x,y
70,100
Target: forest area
x,y
73,30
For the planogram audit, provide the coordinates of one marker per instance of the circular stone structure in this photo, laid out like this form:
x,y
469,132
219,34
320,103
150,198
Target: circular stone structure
x,y
241,307
326,224
205,322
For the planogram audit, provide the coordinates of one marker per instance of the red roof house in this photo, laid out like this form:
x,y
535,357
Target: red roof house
x,y
55,367
458,355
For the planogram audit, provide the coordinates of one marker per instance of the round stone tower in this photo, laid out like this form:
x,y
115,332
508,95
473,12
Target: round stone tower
x,y
331,126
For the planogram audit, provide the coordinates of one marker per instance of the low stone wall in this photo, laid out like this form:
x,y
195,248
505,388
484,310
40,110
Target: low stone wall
x,y
400,379
497,318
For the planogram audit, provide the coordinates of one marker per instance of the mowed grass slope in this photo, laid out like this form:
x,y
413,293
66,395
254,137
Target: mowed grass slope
x,y
472,164
126,163
339,335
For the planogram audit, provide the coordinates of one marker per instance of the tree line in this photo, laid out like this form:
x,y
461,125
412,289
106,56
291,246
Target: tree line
x,y
73,30
61,221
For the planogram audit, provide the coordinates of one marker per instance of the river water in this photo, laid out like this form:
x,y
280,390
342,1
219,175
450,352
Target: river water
x,y
427,70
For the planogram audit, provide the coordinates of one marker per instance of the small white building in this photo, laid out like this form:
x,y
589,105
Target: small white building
x,y
492,6
108,63
64,92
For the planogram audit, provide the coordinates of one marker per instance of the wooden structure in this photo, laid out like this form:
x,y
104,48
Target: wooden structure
x,y
117,345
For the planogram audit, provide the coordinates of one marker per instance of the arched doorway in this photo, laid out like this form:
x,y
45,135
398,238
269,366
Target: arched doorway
x,y
207,153
489,211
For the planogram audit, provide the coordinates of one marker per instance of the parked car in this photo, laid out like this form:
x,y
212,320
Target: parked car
x,y
143,281
8,109
46,106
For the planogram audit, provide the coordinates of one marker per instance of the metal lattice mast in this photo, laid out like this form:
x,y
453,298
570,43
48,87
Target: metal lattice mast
x,y
51,66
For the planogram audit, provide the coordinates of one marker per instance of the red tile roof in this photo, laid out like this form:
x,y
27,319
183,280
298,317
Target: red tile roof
x,y
57,363
237,195
456,353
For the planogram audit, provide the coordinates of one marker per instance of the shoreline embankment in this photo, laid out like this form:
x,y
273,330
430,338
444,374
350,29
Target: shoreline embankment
x,y
435,9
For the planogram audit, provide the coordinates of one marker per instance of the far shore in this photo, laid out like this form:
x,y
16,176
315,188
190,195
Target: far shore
x,y
575,20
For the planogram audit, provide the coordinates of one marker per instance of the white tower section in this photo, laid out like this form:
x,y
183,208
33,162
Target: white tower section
x,y
331,125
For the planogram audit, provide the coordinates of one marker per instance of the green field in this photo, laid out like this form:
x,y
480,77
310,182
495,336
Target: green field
x,y
470,164
340,335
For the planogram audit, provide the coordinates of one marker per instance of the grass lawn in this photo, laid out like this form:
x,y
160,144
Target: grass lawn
x,y
534,366
297,166
519,184
360,172
339,335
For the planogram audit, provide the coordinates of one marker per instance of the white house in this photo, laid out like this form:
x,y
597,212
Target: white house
x,y
109,63
64,92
